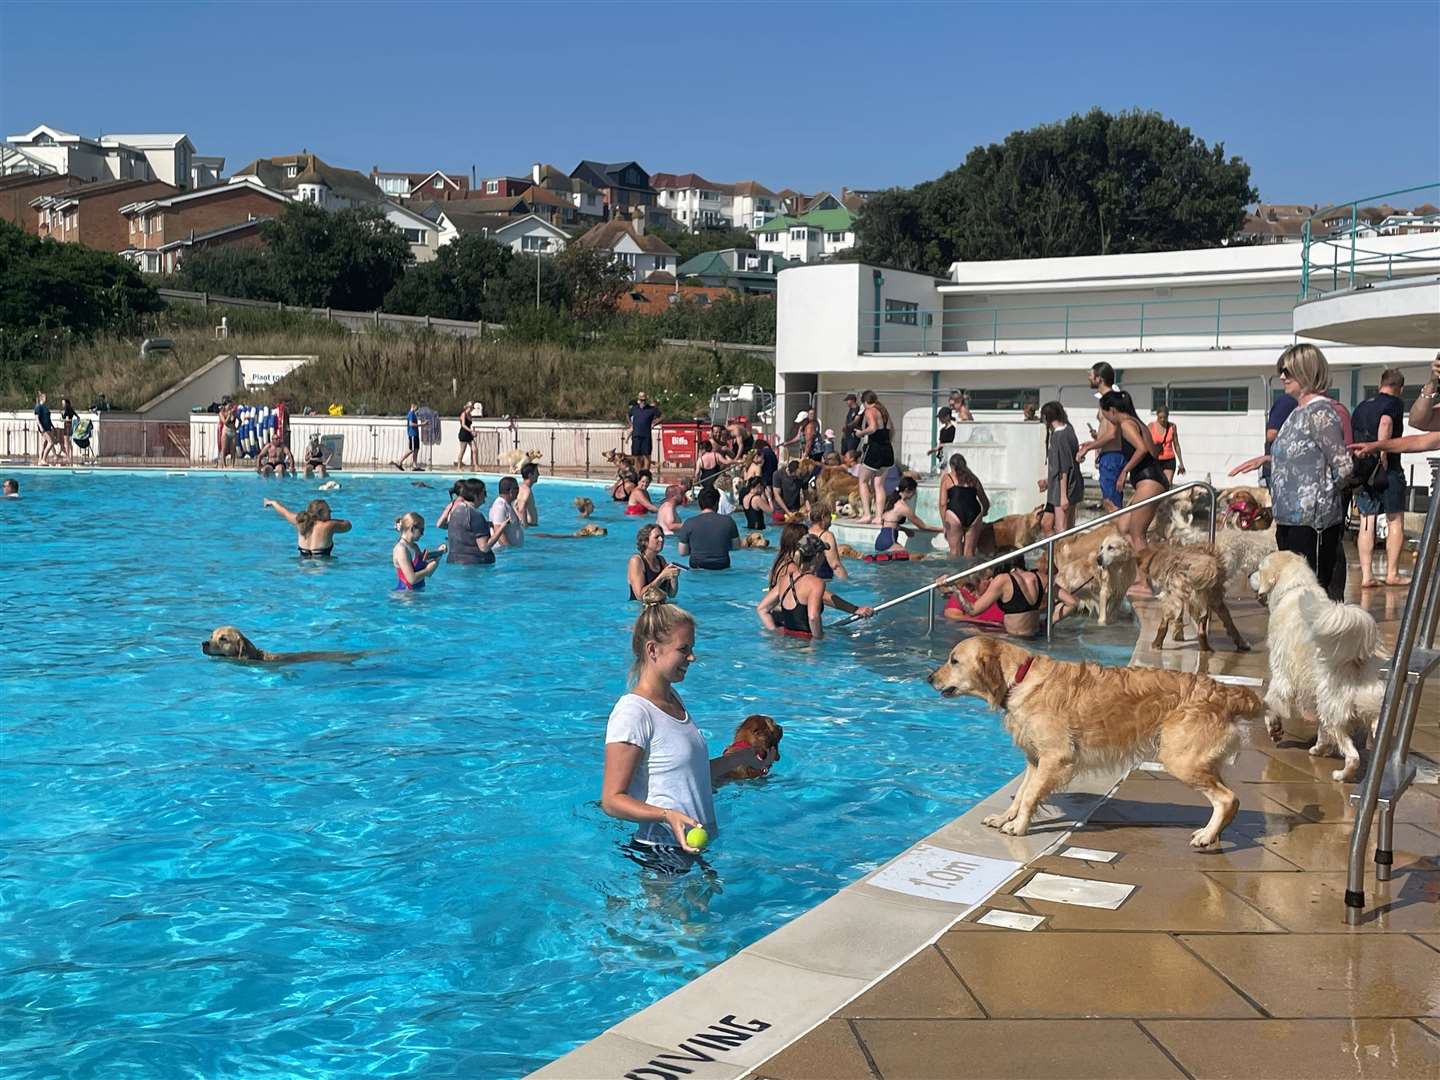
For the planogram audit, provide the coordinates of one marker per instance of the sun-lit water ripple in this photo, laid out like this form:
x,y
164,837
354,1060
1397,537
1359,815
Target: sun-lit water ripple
x,y
397,867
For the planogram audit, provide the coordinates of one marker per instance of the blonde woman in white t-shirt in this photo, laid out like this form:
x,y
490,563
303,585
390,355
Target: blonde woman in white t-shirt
x,y
658,769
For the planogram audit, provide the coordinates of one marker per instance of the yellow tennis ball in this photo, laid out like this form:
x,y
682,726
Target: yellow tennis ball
x,y
697,838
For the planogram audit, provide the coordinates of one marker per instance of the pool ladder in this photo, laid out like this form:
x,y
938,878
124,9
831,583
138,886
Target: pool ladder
x,y
1413,661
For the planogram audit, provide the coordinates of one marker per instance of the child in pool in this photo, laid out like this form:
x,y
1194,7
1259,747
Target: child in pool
x,y
412,564
899,509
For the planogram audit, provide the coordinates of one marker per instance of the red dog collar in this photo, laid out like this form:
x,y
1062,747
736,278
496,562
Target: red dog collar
x,y
745,745
1020,673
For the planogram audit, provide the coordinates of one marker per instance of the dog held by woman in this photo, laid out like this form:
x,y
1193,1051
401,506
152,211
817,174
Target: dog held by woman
x,y
1072,718
762,734
1323,660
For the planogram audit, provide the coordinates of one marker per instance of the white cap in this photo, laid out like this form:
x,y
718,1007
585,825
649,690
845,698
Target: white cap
x,y
801,415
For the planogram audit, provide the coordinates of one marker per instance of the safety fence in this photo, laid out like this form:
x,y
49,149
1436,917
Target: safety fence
x,y
1336,242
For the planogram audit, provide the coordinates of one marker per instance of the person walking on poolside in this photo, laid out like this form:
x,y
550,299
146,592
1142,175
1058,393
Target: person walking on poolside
x,y
467,438
1106,441
412,439
49,438
642,417
1139,467
413,566
525,505
648,567
506,527
658,770
877,458
1166,437
849,440
1377,419
1063,483
68,416
227,425
708,537
963,506
315,529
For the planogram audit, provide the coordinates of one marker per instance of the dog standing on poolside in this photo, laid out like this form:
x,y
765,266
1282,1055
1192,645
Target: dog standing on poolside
x,y
1189,580
1324,662
511,460
1072,718
1097,567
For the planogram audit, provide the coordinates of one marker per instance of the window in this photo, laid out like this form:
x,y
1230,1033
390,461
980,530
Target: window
x,y
799,234
292,170
534,244
903,312
1012,399
492,186
439,183
1202,398
1409,395
414,236
626,257
835,237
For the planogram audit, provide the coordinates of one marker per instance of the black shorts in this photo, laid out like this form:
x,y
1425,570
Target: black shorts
x,y
640,445
878,456
414,440
466,436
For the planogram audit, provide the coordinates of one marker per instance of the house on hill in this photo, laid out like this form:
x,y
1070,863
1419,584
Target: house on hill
x,y
622,184
642,255
814,236
745,270
304,177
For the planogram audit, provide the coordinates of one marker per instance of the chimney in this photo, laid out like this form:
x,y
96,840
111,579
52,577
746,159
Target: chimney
x,y
535,173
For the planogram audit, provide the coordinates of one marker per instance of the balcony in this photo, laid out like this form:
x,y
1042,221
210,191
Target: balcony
x,y
1258,320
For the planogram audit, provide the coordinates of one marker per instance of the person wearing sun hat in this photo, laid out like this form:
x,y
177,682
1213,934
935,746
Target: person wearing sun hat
x,y
642,417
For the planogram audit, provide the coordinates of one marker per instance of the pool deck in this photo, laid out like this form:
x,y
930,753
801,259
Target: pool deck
x,y
1156,961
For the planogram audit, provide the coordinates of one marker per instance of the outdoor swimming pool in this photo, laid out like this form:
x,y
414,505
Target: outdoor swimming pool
x,y
399,866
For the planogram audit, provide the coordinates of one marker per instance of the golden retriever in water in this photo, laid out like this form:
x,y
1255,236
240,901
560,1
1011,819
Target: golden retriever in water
x,y
1189,580
584,507
1098,567
762,734
1072,718
755,540
229,642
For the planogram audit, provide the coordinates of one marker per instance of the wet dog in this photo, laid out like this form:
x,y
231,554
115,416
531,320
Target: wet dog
x,y
1010,532
1190,581
584,507
1072,718
762,734
755,540
1098,567
230,643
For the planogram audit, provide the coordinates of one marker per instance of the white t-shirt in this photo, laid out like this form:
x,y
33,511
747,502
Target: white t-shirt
x,y
675,771
503,518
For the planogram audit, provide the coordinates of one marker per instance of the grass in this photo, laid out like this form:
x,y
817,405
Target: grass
x,y
382,373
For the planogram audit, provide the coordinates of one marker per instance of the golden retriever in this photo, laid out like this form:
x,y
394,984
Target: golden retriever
x,y
623,462
584,507
1189,580
1071,718
1098,567
230,643
755,540
1010,532
513,459
762,734
835,484
845,551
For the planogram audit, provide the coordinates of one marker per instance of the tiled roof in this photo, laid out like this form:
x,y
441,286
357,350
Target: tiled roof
x,y
223,230
493,204
681,181
540,196
311,170
605,236
753,187
552,179
607,172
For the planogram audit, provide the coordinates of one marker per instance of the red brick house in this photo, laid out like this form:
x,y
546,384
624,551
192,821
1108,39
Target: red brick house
x,y
433,186
501,187
244,234
90,214
152,225
18,191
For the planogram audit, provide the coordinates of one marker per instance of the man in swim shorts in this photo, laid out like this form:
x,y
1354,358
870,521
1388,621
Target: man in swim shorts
x,y
1106,440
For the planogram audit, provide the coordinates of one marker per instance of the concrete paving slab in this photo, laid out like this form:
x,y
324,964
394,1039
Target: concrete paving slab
x,y
1299,1049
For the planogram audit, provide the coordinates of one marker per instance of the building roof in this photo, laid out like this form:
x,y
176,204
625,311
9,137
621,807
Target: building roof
x,y
248,183
493,204
658,292
390,206
467,223
830,220
539,196
606,173
143,141
211,234
100,187
23,180
552,179
682,181
753,187
713,264
607,234
311,170
45,129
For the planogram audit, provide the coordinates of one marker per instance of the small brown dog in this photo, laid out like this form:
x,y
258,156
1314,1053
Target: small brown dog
x,y
584,507
1071,718
845,551
623,462
759,733
1189,581
591,530
230,643
755,540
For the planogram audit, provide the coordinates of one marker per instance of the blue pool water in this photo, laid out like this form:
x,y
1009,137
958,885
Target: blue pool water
x,y
398,867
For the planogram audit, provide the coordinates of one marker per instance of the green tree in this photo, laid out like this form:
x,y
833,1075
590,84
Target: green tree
x,y
52,293
891,230
594,281
345,259
1095,184
239,272
688,244
477,279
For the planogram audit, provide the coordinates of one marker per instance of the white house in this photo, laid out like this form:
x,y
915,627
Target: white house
x,y
166,157
422,234
814,236
641,254
206,170
755,204
1197,330
697,203
528,235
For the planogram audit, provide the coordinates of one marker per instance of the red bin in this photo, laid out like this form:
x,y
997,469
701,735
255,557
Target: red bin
x,y
679,443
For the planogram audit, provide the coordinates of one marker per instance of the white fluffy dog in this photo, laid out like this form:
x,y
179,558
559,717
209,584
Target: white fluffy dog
x,y
1323,660
1240,550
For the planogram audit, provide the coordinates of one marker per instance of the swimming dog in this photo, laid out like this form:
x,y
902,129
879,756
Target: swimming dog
x,y
584,507
230,643
755,540
759,733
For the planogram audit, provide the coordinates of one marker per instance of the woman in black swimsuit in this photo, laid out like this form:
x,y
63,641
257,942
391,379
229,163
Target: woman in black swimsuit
x,y
709,464
877,458
314,527
942,448
797,597
756,503
963,506
1017,594
1145,473
648,567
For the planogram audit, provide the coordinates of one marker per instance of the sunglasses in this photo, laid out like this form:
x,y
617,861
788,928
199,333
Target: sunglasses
x,y
1285,373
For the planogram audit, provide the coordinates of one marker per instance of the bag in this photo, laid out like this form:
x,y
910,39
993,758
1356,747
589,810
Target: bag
x,y
1370,472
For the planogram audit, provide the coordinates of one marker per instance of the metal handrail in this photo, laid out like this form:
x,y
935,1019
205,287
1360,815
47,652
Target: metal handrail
x,y
1049,544
1409,667
1345,234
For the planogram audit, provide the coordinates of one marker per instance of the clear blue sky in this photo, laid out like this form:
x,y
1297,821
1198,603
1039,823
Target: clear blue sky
x,y
1325,101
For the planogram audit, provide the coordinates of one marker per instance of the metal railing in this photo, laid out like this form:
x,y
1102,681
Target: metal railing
x,y
1340,229
1049,545
1414,659
1129,325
